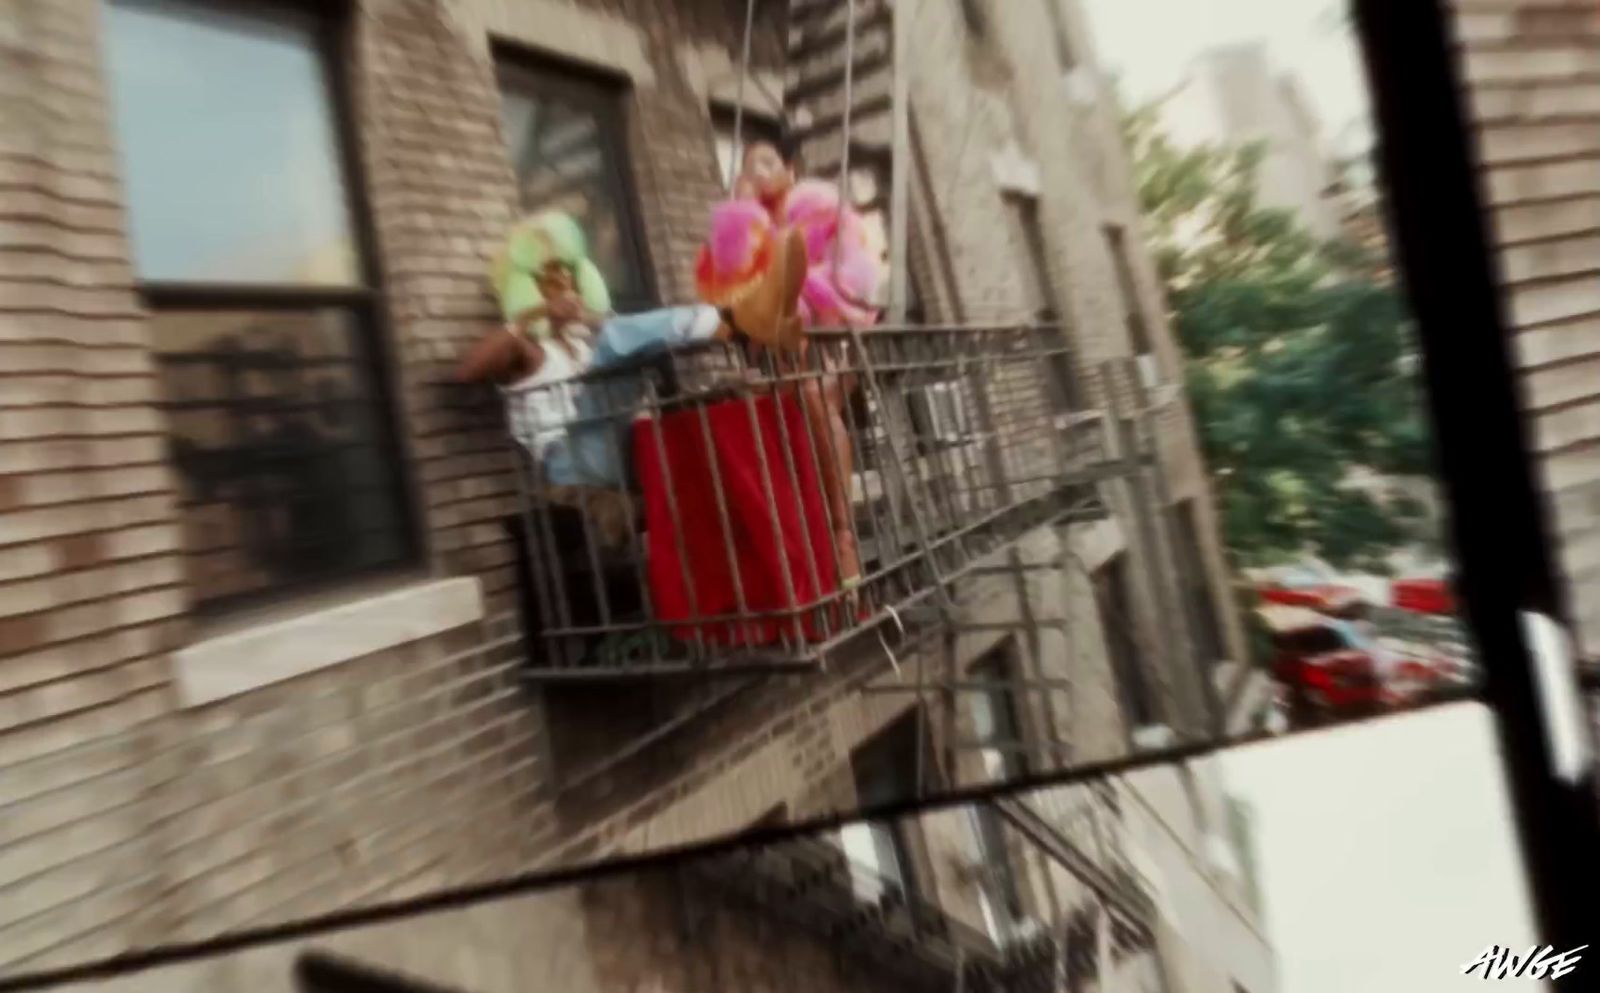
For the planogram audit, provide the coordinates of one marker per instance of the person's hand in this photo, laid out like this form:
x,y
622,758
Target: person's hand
x,y
564,308
744,188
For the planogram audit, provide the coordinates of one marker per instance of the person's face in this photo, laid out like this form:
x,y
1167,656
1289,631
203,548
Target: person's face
x,y
766,170
555,280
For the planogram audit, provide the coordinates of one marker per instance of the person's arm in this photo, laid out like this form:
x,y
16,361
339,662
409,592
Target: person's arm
x,y
567,309
499,354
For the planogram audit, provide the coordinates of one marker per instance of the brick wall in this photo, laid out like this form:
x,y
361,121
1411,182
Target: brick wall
x,y
1530,83
129,820
90,591
658,931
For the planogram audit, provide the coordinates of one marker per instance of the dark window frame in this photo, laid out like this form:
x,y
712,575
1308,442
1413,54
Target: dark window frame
x,y
362,301
999,666
1113,596
610,95
1209,637
888,748
1024,210
1067,55
1139,337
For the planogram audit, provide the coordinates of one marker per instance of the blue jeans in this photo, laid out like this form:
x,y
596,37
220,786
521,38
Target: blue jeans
x,y
590,452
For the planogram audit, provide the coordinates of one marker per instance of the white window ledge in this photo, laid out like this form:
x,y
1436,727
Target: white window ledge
x,y
241,661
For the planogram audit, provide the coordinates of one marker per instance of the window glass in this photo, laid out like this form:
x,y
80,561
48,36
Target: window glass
x,y
566,143
228,145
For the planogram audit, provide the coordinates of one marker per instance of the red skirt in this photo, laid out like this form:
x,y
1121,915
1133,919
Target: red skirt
x,y
694,558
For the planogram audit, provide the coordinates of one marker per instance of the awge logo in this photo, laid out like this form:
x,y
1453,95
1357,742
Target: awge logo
x,y
1536,963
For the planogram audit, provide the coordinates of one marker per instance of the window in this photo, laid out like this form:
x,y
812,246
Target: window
x,y
998,733
1038,288
1133,313
1208,631
1023,211
885,772
1083,949
939,415
243,230
1113,599
994,716
1066,51
754,127
565,134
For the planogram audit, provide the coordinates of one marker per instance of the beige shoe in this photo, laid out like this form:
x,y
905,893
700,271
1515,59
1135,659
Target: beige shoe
x,y
770,315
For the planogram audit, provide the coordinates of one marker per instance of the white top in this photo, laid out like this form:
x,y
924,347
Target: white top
x,y
539,407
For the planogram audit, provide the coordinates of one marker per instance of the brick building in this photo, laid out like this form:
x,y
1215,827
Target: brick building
x,y
1529,72
262,657
1074,911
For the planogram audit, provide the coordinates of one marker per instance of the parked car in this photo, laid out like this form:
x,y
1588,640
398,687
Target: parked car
x,y
1303,588
1333,668
1322,674
1423,596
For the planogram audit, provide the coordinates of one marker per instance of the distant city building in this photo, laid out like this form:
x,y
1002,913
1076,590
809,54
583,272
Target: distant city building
x,y
1233,96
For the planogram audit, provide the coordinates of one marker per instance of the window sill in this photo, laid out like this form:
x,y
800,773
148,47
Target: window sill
x,y
267,653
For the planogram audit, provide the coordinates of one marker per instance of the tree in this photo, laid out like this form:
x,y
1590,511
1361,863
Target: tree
x,y
1299,361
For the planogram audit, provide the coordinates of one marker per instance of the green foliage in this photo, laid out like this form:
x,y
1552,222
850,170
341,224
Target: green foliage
x,y
1299,362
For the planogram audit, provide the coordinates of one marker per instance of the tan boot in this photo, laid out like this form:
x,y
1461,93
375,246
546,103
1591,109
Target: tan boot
x,y
770,314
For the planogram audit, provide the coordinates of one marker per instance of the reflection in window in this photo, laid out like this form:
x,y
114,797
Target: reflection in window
x,y
885,772
275,431
228,146
566,141
288,472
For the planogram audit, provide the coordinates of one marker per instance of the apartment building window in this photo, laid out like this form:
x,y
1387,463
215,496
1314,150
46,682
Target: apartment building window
x,y
564,130
1083,949
248,248
1022,211
879,853
1203,607
998,733
1060,33
1133,312
754,127
1114,603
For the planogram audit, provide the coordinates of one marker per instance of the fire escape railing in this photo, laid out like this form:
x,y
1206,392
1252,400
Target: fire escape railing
x,y
718,508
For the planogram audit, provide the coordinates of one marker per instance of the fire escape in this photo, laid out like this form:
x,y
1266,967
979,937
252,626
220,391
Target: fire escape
x,y
1066,940
788,513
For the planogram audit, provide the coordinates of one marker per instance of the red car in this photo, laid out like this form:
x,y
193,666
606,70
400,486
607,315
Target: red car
x,y
1423,596
1319,667
1324,598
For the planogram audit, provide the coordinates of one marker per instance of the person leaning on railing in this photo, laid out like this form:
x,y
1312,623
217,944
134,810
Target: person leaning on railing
x,y
558,325
770,217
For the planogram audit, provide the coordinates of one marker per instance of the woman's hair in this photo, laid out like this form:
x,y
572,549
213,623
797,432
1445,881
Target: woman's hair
x,y
783,143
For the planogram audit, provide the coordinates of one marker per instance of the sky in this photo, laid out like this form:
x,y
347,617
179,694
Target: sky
x,y
1398,866
1302,34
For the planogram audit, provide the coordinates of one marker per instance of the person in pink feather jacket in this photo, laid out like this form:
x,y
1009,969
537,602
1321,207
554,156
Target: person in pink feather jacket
x,y
771,219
